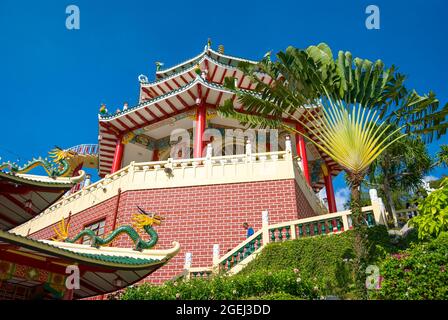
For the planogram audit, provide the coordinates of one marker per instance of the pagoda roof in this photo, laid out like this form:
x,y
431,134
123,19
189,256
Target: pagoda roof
x,y
175,92
99,267
219,57
217,72
23,196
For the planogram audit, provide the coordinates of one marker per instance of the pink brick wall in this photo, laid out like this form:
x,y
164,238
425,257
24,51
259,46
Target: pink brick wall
x,y
198,217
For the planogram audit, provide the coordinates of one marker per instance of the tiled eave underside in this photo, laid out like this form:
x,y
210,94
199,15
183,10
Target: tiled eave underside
x,y
100,269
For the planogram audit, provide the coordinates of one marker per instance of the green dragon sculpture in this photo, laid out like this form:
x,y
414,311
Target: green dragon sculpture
x,y
59,167
143,220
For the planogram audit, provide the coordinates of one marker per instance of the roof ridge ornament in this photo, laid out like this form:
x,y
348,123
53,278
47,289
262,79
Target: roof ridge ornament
x,y
142,78
159,65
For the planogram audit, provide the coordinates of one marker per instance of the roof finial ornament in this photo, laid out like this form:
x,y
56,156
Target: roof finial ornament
x,y
209,43
142,78
197,69
267,55
103,109
221,49
159,65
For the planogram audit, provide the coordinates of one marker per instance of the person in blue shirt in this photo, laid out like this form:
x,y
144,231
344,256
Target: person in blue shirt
x,y
249,229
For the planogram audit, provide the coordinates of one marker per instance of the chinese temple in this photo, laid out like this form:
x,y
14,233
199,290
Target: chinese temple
x,y
169,155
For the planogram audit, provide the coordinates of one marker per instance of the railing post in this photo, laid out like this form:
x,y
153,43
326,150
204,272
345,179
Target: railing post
x,y
248,151
265,227
288,147
345,222
187,265
215,258
209,152
293,231
375,205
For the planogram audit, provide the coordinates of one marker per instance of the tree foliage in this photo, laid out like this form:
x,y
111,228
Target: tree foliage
x,y
432,218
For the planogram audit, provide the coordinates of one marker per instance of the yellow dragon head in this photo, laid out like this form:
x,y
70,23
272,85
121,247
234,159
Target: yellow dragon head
x,y
57,154
146,219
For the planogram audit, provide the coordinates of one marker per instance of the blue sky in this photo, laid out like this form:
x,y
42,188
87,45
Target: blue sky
x,y
52,80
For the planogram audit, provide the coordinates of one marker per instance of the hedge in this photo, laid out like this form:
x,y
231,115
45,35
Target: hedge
x,y
418,273
258,285
325,259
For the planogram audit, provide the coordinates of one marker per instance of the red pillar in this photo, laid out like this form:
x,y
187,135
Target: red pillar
x,y
201,115
118,156
301,151
330,191
155,155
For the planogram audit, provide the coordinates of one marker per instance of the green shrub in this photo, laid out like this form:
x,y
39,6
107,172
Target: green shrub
x,y
276,296
432,218
418,273
326,259
254,285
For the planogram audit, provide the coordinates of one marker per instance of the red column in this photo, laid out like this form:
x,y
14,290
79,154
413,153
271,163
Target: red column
x,y
155,155
330,191
301,151
201,115
118,156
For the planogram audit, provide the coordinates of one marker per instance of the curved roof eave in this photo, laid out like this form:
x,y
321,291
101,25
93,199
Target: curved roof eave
x,y
132,260
197,57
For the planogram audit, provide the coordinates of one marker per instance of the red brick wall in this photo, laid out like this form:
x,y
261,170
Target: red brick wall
x,y
198,217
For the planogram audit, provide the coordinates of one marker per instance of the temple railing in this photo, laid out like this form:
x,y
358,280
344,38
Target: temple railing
x,y
405,215
91,149
240,168
236,259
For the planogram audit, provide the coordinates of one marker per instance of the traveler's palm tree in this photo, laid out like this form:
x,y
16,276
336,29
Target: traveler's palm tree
x,y
305,79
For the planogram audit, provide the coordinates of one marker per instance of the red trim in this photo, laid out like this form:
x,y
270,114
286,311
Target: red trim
x,y
21,189
192,75
132,120
108,144
182,101
152,114
124,125
183,79
8,220
208,70
241,81
214,72
148,92
168,102
176,83
140,116
301,151
108,139
223,76
118,156
154,91
18,203
115,131
168,85
330,192
191,95
201,118
155,155
218,100
107,151
206,95
161,109
161,89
